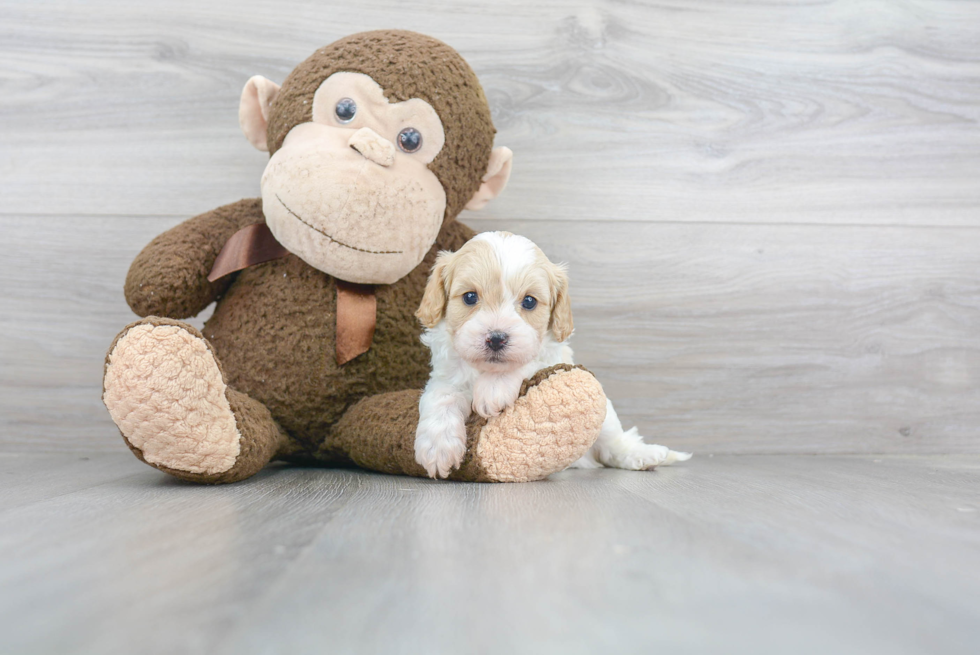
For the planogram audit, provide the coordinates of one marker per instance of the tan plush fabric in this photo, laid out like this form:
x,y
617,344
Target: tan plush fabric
x,y
165,392
556,419
379,150
495,179
253,111
346,215
407,65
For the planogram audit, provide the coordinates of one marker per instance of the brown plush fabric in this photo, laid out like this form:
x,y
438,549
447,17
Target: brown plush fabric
x,y
274,332
273,337
378,433
275,325
170,276
406,65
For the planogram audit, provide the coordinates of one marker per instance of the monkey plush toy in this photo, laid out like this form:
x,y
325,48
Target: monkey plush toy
x,y
377,142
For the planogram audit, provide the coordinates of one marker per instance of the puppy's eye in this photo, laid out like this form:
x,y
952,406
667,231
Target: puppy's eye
x,y
345,110
470,297
409,139
529,302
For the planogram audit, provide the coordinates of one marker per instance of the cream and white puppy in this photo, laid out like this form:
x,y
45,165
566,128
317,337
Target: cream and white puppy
x,y
496,312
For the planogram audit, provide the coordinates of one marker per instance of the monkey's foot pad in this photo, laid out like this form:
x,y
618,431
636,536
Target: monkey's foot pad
x,y
165,391
554,422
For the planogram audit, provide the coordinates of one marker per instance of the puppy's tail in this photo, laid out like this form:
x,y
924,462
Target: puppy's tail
x,y
675,456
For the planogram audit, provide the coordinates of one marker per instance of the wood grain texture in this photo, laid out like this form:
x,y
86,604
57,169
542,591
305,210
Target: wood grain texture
x,y
770,208
752,111
712,338
749,554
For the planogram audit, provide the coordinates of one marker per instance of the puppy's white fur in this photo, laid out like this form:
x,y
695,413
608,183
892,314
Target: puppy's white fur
x,y
467,375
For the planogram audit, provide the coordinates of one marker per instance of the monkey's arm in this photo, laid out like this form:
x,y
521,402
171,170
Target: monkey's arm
x,y
170,276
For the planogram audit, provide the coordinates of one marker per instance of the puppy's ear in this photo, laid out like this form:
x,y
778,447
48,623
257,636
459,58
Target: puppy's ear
x,y
433,306
561,324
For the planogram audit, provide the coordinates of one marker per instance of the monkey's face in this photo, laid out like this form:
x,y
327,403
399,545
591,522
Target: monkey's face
x,y
350,192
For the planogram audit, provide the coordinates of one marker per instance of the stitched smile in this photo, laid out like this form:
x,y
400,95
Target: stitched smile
x,y
339,243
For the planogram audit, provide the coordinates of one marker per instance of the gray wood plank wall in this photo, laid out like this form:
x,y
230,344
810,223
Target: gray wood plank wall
x,y
771,210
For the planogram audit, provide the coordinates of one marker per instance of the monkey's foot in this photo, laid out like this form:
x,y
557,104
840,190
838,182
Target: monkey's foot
x,y
555,421
166,392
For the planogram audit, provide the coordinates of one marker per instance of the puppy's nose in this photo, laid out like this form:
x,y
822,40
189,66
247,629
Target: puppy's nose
x,y
496,341
373,146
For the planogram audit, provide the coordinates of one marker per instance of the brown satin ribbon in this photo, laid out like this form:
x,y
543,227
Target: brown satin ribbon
x,y
251,245
357,312
357,306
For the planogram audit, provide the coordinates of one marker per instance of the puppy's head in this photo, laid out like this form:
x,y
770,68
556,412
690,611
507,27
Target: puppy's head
x,y
499,297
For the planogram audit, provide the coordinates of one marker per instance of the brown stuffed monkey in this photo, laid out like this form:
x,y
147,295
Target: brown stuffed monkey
x,y
377,142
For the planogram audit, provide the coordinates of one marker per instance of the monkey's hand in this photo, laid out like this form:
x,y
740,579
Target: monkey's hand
x,y
170,276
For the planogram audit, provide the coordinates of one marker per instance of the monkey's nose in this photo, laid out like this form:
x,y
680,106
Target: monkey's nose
x,y
373,146
496,341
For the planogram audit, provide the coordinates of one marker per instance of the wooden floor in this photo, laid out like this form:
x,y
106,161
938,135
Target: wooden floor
x,y
734,554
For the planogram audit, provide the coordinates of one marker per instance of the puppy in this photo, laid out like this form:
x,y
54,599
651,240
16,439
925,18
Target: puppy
x,y
496,312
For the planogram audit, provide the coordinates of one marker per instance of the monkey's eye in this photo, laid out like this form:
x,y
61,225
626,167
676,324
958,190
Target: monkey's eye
x,y
346,108
470,297
409,139
529,302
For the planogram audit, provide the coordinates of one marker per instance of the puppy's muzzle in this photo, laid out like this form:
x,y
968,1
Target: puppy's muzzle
x,y
497,341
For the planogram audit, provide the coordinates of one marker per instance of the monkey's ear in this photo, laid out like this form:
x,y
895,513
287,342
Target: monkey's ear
x,y
433,306
498,172
253,112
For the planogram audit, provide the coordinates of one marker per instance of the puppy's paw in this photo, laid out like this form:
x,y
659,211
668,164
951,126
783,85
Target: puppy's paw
x,y
647,456
439,450
488,407
492,398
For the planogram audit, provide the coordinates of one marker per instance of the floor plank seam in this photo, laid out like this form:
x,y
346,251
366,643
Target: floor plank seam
x,y
513,219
